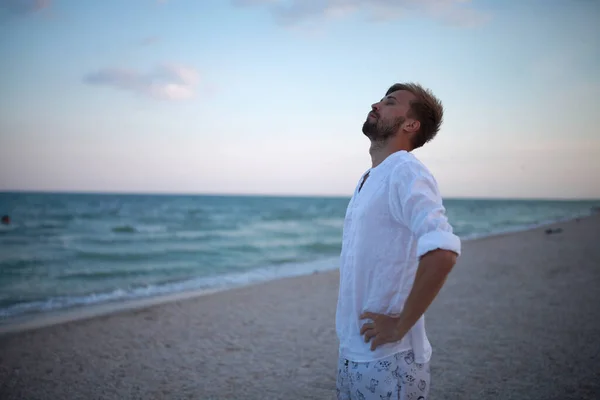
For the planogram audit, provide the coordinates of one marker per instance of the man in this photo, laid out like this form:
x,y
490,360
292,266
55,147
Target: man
x,y
397,251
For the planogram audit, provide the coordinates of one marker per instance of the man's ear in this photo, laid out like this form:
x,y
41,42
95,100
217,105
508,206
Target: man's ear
x,y
412,125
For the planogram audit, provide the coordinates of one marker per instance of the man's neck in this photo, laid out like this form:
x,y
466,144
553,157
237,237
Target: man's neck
x,y
379,151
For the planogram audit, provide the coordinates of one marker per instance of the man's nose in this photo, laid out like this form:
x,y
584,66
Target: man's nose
x,y
375,106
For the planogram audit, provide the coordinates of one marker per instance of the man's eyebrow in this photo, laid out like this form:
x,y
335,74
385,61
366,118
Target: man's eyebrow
x,y
390,97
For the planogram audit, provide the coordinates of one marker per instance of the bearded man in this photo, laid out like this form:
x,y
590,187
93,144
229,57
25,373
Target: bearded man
x,y
397,251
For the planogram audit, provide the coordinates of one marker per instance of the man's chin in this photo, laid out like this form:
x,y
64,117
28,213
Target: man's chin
x,y
369,129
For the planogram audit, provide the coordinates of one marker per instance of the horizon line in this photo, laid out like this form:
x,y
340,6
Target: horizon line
x,y
274,195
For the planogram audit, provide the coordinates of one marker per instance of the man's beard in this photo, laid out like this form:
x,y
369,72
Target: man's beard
x,y
380,131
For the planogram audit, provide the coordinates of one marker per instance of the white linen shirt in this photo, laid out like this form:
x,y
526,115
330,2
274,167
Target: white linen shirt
x,y
395,218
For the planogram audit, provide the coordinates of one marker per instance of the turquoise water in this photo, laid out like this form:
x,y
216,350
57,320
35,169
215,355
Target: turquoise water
x,y
67,250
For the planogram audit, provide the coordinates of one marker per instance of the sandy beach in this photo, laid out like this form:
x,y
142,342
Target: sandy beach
x,y
517,319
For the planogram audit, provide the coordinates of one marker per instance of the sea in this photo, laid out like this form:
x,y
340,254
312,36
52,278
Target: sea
x,y
64,251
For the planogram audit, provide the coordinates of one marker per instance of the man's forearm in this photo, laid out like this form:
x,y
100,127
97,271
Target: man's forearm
x,y
432,272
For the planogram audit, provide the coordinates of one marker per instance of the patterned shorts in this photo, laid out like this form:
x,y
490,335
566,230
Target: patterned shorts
x,y
395,377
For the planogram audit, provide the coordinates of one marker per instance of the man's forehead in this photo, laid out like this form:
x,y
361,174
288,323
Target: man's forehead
x,y
401,95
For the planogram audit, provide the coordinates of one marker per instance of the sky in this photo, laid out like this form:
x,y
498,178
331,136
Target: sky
x,y
269,96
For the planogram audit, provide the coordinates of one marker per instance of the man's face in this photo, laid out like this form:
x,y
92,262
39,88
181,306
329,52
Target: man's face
x,y
387,116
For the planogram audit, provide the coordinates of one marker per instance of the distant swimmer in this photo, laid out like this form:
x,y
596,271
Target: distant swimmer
x,y
5,220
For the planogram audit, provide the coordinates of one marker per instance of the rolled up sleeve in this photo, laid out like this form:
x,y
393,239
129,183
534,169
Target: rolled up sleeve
x,y
418,204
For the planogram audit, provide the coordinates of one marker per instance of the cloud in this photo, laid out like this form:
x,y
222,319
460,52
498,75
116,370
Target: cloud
x,y
24,6
456,12
166,82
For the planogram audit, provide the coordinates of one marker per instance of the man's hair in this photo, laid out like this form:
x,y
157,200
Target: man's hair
x,y
425,108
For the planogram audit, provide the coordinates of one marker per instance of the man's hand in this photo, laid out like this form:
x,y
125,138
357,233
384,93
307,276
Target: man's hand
x,y
384,329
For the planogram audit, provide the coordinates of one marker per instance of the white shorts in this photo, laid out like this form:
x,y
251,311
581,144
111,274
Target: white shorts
x,y
395,377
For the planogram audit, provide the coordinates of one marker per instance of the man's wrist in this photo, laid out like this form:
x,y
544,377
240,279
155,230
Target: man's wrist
x,y
401,329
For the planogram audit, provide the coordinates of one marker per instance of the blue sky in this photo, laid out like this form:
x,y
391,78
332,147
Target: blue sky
x,y
251,96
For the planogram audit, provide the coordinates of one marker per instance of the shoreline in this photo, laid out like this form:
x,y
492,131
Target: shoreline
x,y
34,321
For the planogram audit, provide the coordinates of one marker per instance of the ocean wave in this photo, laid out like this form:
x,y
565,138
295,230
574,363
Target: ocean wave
x,y
200,235
144,250
337,223
59,303
124,229
293,213
196,212
285,260
512,228
218,282
323,247
154,238
6,229
38,225
97,214
149,229
135,254
148,270
19,265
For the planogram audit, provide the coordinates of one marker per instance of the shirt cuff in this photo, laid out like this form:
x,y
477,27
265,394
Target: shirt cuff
x,y
438,240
